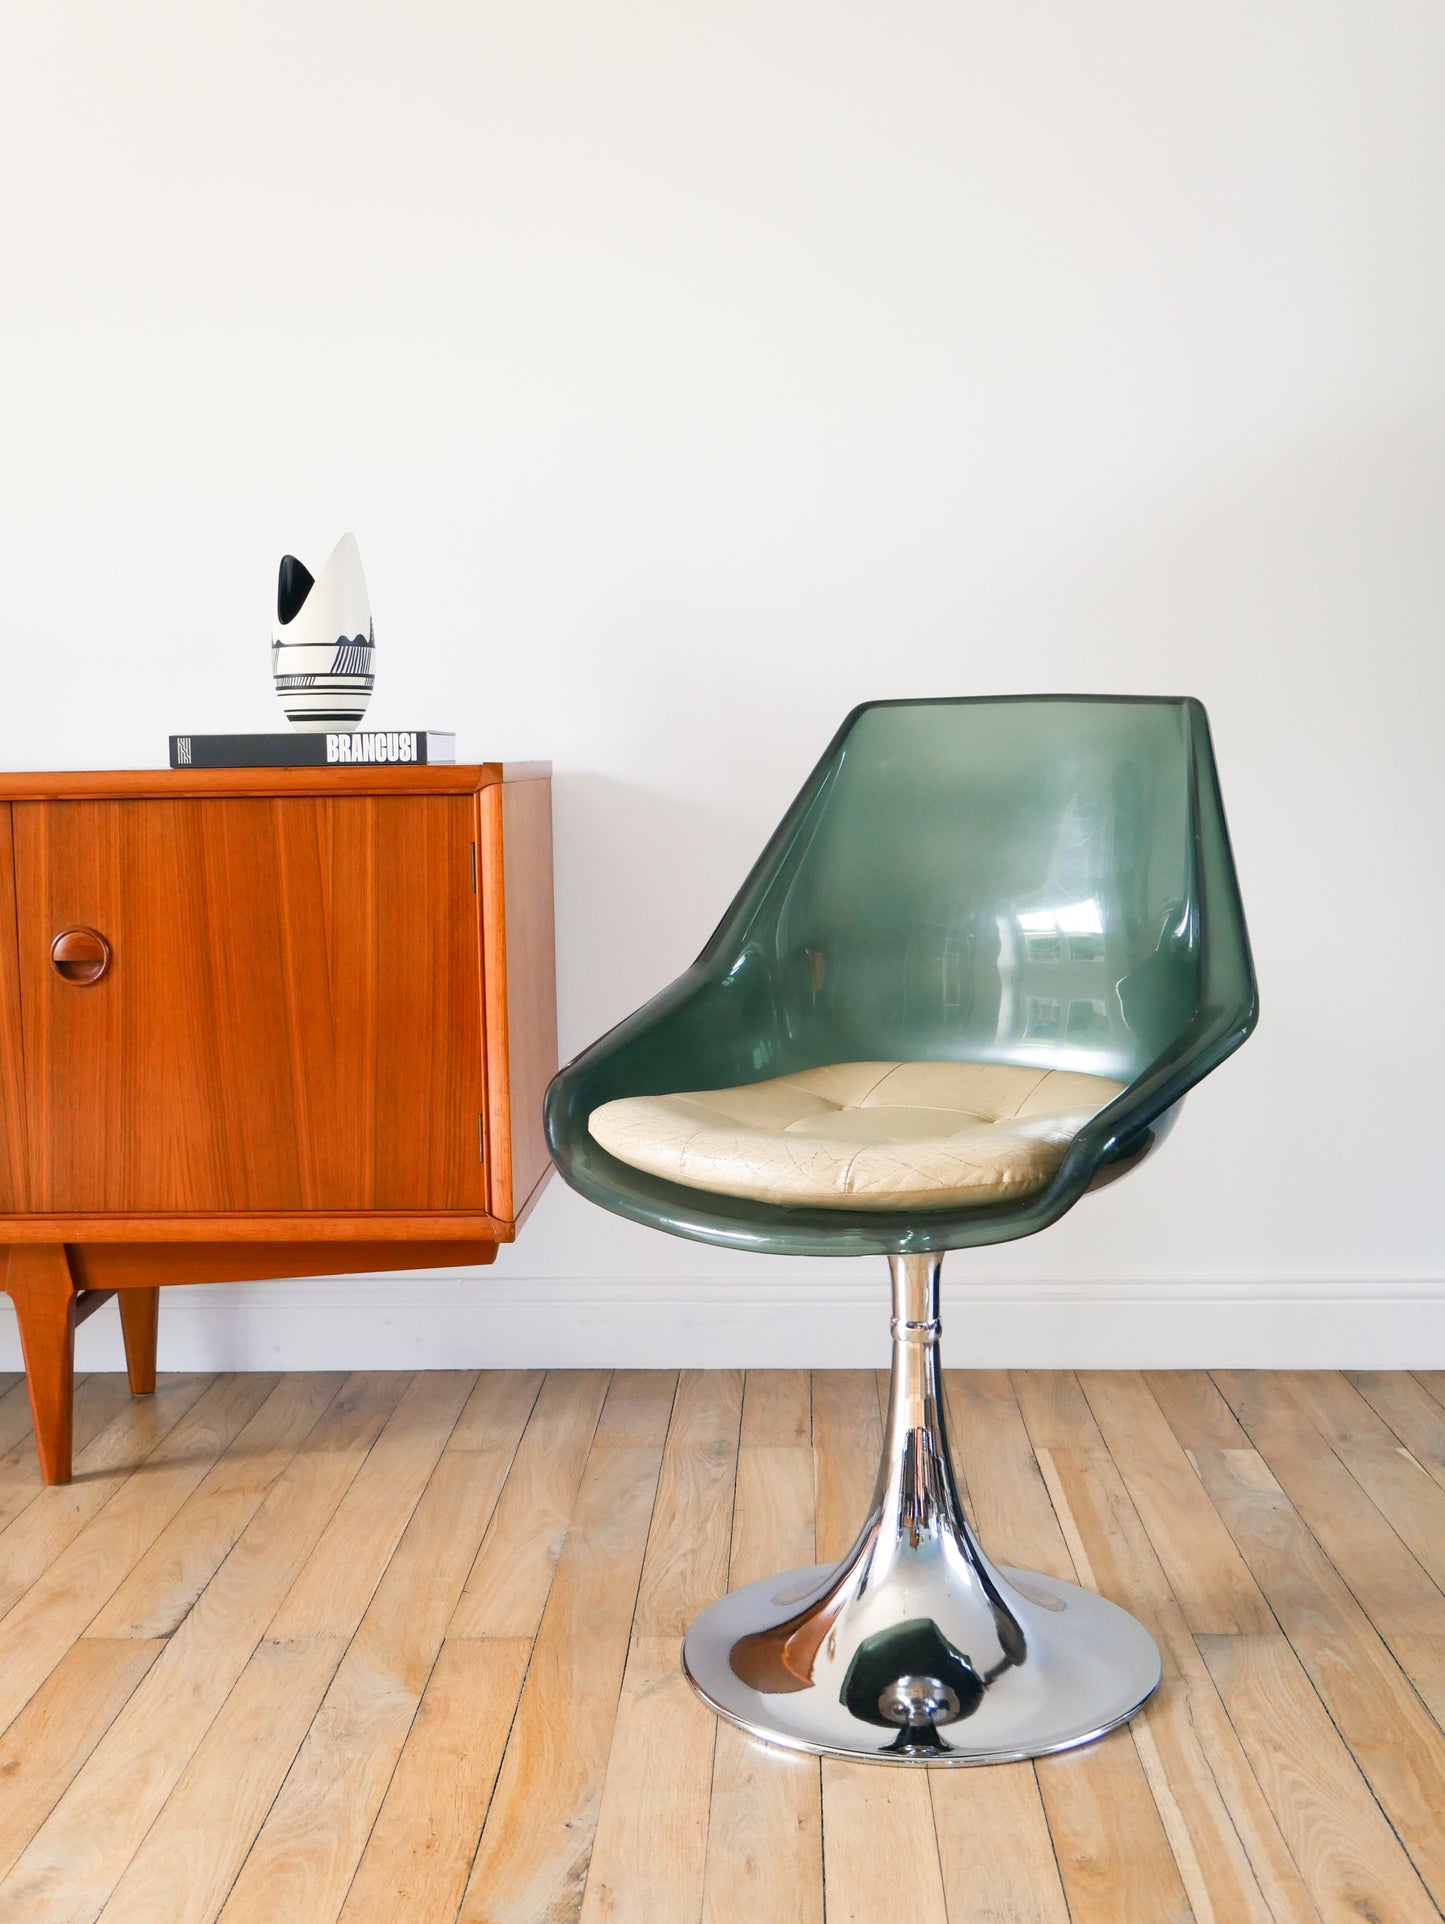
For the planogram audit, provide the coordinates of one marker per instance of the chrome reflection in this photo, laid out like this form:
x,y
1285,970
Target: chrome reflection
x,y
915,1634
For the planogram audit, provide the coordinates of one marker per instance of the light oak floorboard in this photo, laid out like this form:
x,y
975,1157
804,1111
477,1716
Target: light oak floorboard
x,y
1206,1573
99,1401
58,1729
1231,1859
15,1411
637,1411
507,1589
765,1834
1113,1854
1120,1853
648,1858
191,1854
848,1438
1398,1486
64,1598
1121,1849
121,1452
778,1408
1413,1415
186,1854
1007,1504
76,1857
880,1853
651,1845
416,1861
1195,1411
1423,1661
882,1382
1351,1860
314,1740
166,1581
1056,1412
993,1836
311,1842
497,1410
772,1519
650,1849
1396,1743
333,1591
1285,1424
551,1779
994,1846
686,1566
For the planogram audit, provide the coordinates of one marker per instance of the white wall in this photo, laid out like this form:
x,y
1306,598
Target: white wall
x,y
691,372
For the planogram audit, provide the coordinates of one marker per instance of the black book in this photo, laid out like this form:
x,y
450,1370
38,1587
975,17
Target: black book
x,y
390,747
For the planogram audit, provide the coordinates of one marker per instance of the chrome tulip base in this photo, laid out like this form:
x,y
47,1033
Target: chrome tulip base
x,y
915,1649
977,1669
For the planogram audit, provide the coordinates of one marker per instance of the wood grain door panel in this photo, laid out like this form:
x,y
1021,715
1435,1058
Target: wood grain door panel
x,y
14,1127
291,1019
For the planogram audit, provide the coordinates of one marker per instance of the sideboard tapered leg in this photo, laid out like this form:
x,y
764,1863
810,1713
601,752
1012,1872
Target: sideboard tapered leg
x,y
139,1316
39,1283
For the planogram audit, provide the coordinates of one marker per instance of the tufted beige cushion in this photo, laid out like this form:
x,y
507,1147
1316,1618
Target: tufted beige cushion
x,y
862,1135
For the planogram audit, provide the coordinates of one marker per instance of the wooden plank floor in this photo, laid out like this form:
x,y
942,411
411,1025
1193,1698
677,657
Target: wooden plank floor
x,y
394,1649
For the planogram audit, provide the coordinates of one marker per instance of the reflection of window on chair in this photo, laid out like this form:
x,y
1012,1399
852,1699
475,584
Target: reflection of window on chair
x,y
1044,1012
981,962
1088,1020
1069,991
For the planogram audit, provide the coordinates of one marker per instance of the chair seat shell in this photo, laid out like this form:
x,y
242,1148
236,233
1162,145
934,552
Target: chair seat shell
x,y
1023,883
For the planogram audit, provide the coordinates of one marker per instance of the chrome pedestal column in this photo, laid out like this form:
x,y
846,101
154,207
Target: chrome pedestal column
x,y
915,1649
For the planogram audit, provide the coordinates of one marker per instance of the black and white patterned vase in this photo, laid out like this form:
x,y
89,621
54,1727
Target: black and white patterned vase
x,y
323,648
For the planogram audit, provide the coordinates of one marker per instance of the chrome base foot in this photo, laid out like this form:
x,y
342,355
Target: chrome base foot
x,y
895,1675
915,1649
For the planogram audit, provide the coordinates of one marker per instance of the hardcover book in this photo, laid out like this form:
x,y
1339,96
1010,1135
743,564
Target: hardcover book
x,y
389,746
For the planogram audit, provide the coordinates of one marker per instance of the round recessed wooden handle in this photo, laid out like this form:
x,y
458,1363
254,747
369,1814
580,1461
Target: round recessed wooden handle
x,y
80,955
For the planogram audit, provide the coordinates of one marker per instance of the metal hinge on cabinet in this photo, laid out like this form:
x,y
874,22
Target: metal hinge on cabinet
x,y
474,868
481,1139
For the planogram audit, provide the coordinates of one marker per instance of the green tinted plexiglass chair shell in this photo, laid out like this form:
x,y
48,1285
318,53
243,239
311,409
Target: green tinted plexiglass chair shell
x,y
1044,881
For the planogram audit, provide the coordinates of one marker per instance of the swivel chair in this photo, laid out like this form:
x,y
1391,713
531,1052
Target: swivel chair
x,y
972,975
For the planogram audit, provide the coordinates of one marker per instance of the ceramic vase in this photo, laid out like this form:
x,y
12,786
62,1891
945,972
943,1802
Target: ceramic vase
x,y
322,644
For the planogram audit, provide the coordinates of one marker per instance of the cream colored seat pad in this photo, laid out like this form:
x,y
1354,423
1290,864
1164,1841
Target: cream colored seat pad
x,y
862,1135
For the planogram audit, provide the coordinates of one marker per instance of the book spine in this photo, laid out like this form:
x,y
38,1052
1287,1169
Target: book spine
x,y
386,748
242,751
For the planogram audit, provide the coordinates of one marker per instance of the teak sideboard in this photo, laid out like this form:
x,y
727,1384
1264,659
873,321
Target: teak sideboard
x,y
258,1023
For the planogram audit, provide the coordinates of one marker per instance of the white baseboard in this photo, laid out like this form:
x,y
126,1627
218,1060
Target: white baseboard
x,y
438,1322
